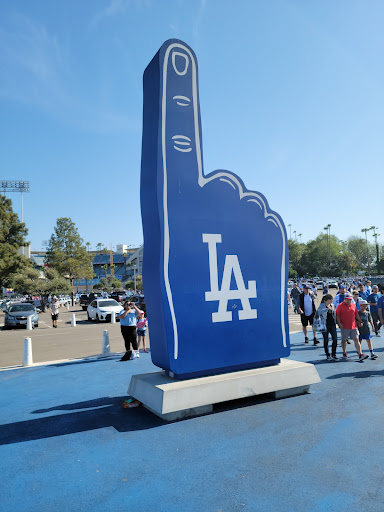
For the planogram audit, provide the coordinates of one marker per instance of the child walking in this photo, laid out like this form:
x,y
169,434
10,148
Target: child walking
x,y
141,330
364,332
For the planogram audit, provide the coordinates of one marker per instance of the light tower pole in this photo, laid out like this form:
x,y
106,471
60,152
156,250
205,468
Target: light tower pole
x,y
16,186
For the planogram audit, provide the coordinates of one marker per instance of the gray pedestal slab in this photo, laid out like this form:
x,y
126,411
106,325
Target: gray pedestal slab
x,y
176,399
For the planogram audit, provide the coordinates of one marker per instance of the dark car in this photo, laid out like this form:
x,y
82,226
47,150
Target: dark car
x,y
85,300
139,301
118,296
16,315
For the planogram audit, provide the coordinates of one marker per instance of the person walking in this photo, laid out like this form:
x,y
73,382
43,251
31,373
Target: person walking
x,y
325,322
372,300
364,332
307,310
55,311
128,323
348,318
340,296
295,294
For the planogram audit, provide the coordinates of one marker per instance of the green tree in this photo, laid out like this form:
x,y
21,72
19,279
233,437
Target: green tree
x,y
108,284
12,233
67,253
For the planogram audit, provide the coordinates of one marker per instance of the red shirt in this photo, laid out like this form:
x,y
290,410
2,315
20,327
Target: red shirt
x,y
347,315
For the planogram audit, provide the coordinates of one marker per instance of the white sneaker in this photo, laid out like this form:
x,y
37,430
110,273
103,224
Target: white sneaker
x,y
133,356
137,354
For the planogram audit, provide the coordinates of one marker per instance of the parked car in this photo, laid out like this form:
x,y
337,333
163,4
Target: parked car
x,y
16,315
103,309
85,300
118,296
333,284
138,300
319,285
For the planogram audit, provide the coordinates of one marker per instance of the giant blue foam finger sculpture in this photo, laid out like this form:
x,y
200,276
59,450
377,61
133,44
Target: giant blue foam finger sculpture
x,y
215,256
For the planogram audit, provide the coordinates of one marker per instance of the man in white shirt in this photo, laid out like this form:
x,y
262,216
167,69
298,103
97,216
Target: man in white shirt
x,y
307,310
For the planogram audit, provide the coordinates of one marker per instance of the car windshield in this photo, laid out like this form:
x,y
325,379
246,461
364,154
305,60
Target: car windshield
x,y
104,303
21,307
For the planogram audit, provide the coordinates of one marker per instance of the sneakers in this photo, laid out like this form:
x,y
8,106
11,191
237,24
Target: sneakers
x,y
126,357
316,341
363,356
345,356
329,358
138,353
373,356
335,358
306,340
145,350
378,334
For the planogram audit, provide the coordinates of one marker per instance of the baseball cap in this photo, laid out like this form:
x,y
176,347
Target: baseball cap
x,y
375,287
362,302
348,296
307,287
341,287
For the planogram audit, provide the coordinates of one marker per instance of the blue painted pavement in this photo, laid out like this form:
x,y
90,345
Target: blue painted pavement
x,y
67,443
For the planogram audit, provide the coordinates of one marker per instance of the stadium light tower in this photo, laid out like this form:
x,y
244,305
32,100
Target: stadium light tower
x,y
15,186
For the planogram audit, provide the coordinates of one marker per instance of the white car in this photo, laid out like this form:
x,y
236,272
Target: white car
x,y
103,309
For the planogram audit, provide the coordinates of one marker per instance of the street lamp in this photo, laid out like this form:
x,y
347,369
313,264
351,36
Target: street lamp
x,y
295,235
300,237
375,235
134,275
289,225
328,230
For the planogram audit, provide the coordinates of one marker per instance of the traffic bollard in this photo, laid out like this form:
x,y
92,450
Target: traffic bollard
x,y
68,306
29,323
73,321
106,346
113,317
27,357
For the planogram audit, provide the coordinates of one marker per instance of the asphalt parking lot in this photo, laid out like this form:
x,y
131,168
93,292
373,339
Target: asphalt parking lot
x,y
63,343
68,342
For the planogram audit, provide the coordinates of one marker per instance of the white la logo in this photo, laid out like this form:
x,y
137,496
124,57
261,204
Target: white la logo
x,y
225,294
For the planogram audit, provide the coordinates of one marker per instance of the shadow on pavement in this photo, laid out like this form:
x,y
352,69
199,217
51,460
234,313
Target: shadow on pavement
x,y
358,375
104,412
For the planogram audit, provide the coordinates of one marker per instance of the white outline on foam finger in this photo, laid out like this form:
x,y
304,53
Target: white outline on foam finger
x,y
202,181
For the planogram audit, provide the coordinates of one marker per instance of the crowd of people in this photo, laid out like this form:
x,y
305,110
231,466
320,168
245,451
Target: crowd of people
x,y
355,308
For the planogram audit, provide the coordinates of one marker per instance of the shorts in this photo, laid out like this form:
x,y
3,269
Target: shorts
x,y
55,317
307,319
141,332
365,336
349,333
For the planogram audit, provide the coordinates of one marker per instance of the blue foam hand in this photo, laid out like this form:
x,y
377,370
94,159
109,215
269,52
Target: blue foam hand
x,y
215,256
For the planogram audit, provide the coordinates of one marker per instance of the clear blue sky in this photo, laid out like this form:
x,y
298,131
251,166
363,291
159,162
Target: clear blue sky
x,y
292,100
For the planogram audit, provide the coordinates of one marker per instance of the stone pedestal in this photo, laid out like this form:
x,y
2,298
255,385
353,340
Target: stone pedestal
x,y
175,399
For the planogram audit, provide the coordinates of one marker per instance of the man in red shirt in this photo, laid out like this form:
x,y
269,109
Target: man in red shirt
x,y
347,316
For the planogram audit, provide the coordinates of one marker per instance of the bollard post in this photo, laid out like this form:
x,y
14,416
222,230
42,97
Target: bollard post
x,y
68,306
29,323
113,317
106,347
27,357
73,321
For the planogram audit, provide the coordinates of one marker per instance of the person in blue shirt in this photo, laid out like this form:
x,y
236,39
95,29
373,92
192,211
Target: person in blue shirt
x,y
380,309
373,308
362,293
128,323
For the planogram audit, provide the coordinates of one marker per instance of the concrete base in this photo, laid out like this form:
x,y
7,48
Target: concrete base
x,y
176,399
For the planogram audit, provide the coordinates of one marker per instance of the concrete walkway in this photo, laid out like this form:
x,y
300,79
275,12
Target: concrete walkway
x,y
67,443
